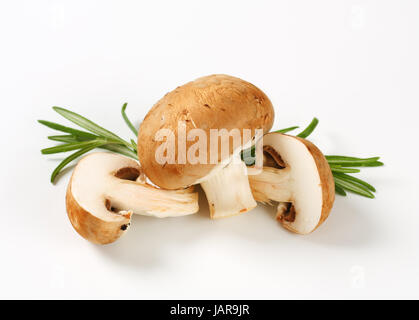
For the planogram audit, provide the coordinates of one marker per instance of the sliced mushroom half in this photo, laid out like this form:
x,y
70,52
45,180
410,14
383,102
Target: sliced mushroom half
x,y
297,176
106,189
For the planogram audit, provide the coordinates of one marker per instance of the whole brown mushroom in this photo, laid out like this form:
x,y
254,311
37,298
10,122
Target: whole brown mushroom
x,y
211,102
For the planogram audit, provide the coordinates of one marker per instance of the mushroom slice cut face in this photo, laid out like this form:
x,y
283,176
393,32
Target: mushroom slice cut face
x,y
106,189
295,174
219,103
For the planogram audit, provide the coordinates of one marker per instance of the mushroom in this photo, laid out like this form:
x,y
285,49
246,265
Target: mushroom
x,y
297,175
208,103
105,189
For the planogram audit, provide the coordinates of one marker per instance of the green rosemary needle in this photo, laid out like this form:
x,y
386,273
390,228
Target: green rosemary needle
x,y
127,121
85,141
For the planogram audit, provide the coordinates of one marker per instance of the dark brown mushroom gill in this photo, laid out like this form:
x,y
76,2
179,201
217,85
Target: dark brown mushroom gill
x,y
273,159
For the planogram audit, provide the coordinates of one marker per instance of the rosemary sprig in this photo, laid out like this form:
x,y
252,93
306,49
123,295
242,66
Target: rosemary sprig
x,y
349,178
343,170
70,158
73,146
111,147
310,128
88,125
84,141
340,166
344,161
340,191
127,121
287,129
62,128
98,137
347,185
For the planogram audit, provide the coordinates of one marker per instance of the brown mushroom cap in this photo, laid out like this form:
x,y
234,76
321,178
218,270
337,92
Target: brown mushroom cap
x,y
92,228
211,102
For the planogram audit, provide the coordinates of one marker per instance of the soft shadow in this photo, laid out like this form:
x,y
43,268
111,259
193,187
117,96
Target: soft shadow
x,y
150,238
147,244
348,225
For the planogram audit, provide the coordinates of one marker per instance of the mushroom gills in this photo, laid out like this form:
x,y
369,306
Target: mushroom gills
x,y
271,158
285,212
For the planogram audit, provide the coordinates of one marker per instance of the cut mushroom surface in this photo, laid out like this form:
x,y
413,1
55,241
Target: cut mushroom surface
x,y
217,102
106,189
228,192
302,182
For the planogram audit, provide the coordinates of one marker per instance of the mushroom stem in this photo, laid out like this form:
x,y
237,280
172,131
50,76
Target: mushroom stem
x,y
144,199
228,191
271,184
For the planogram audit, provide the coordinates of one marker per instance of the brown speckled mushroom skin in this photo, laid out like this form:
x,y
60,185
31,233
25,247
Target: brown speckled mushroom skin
x,y
326,180
210,102
92,228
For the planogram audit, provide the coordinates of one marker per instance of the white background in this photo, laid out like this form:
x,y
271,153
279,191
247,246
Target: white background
x,y
353,64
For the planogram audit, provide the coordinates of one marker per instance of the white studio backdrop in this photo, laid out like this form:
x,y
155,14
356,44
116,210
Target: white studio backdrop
x,y
353,64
